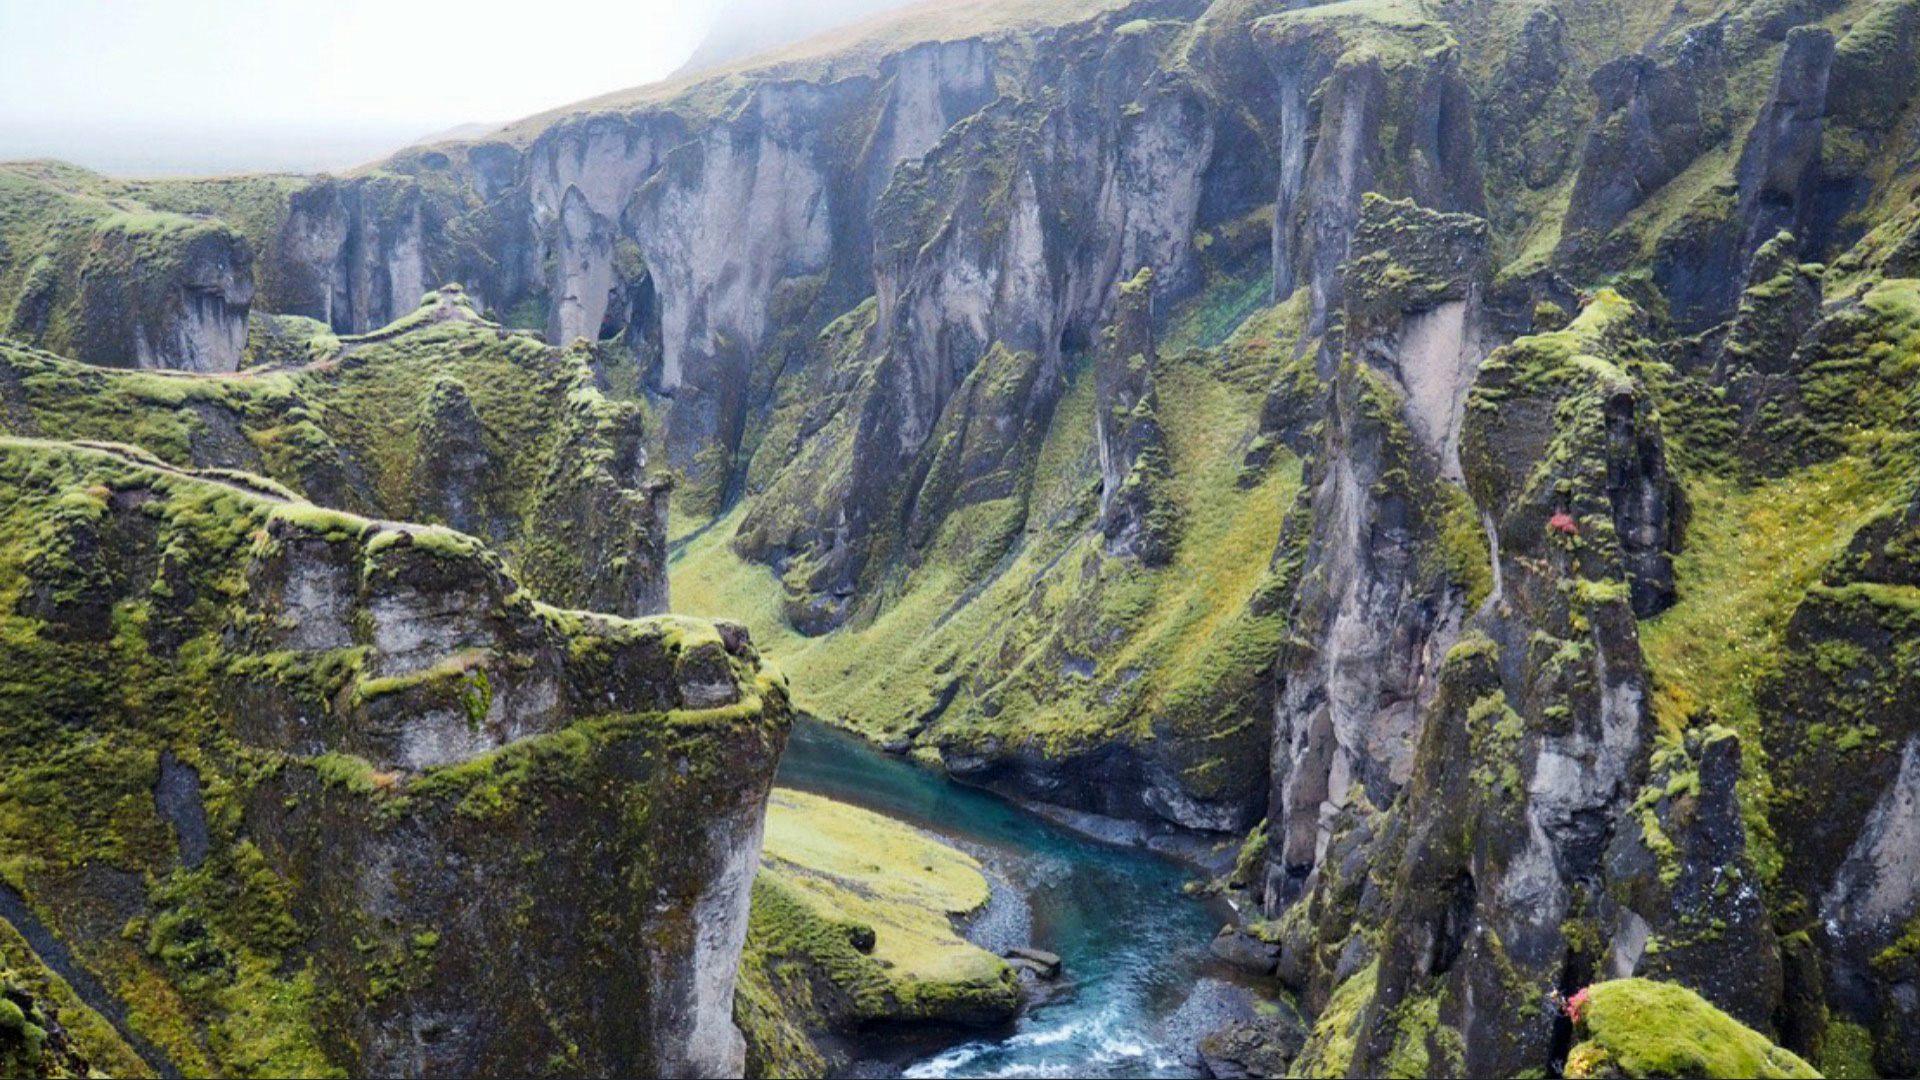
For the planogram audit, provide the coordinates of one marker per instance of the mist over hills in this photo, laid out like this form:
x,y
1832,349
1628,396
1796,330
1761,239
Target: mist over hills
x,y
744,27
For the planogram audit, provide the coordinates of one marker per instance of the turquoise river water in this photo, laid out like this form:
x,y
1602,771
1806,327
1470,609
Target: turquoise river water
x,y
1139,988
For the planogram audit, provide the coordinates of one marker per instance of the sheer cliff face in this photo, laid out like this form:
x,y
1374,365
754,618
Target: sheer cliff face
x,y
117,283
353,769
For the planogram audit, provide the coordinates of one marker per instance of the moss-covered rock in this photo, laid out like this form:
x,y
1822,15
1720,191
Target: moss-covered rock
x,y
387,764
441,418
1644,1028
91,272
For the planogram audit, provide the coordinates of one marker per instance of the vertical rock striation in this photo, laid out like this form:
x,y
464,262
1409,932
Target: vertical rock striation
x,y
446,829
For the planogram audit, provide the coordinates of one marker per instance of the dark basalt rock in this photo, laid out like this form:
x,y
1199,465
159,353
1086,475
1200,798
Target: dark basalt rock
x,y
439,807
1244,951
1135,512
452,473
1253,1048
1842,736
1760,357
351,253
1780,187
1699,894
1656,113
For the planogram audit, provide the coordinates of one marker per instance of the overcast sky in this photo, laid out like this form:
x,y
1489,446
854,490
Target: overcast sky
x,y
211,85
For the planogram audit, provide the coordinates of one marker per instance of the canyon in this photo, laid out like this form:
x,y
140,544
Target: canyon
x,y
1447,470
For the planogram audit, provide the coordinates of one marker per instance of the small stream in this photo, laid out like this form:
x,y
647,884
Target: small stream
x,y
1139,986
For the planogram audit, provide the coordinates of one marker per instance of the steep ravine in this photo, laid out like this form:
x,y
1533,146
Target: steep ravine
x,y
1139,986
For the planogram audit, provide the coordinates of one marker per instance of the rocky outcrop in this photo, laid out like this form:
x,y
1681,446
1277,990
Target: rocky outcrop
x,y
1135,511
1759,361
1841,732
1375,608
1657,113
1780,187
119,284
975,310
1778,173
1364,106
436,811
454,469
1551,704
182,299
1530,738
441,418
351,253
600,516
1688,880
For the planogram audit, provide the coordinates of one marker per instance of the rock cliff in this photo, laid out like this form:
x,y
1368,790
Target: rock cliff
x,y
348,799
440,418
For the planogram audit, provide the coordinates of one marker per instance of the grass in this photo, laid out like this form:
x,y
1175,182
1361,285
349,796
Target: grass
x,y
852,925
855,865
1176,632
1751,553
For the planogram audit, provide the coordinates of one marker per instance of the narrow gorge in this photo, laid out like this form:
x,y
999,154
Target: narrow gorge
x,y
1118,537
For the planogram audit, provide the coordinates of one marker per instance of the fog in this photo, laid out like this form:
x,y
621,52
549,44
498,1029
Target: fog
x,y
210,86
746,27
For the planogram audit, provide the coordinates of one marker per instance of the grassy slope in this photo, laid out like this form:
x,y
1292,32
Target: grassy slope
x,y
357,410
853,864
852,923
1754,545
1178,630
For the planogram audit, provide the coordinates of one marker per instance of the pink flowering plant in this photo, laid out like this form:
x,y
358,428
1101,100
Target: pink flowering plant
x,y
1577,1004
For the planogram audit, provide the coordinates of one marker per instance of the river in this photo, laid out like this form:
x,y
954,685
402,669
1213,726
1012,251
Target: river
x,y
1141,988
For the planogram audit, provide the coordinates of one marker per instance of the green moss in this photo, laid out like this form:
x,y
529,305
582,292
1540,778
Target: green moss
x,y
1329,1048
1013,616
125,620
852,924
92,1036
1249,863
330,525
346,427
1463,547
1846,1052
1642,1028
